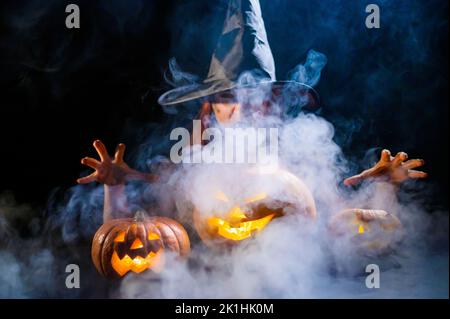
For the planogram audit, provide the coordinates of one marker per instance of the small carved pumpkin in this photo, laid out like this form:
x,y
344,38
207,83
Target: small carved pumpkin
x,y
368,230
243,218
123,245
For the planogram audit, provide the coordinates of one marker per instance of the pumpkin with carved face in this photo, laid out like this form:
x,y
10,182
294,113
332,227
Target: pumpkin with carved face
x,y
136,245
238,216
367,230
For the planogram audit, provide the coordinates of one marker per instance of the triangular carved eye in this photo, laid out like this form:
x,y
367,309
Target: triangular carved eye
x,y
137,244
153,236
256,198
120,238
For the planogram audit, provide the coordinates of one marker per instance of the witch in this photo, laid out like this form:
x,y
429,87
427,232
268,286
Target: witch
x,y
242,67
241,78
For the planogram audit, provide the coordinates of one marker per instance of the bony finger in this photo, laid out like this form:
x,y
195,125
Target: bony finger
x,y
87,179
120,151
82,180
413,163
416,174
120,147
385,155
370,172
93,163
101,150
399,158
353,180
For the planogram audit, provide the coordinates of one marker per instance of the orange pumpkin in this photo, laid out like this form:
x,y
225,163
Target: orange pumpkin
x,y
139,244
367,230
245,217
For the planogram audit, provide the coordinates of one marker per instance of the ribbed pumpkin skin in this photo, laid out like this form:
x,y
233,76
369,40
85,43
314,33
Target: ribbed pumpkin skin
x,y
173,237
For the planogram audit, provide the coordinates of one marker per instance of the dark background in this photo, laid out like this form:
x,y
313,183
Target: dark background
x,y
60,89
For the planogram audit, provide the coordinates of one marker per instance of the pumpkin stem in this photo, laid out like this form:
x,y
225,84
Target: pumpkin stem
x,y
140,216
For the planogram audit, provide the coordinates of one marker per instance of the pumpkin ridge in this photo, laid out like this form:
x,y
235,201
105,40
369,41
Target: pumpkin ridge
x,y
102,247
150,223
109,227
102,257
166,232
178,235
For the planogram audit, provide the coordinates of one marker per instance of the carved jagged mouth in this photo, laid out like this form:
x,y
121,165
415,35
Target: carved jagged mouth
x,y
238,231
153,261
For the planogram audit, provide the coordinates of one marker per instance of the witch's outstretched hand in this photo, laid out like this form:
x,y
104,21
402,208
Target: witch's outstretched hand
x,y
109,171
393,169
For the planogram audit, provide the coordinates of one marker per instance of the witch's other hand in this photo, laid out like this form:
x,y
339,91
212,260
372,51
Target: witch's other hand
x,y
395,169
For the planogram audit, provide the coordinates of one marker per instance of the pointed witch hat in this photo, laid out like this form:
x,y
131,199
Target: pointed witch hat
x,y
243,47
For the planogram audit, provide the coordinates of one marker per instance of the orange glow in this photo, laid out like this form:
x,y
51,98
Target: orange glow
x,y
120,238
136,244
152,236
232,228
362,226
235,215
361,229
153,261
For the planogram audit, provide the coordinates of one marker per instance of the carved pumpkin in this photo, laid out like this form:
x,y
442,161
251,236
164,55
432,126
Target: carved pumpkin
x,y
243,216
123,245
368,230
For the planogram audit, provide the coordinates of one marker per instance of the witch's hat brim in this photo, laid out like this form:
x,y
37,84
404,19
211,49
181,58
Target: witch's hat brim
x,y
291,92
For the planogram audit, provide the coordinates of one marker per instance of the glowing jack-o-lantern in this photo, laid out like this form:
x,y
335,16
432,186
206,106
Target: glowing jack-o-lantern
x,y
235,225
367,230
123,245
243,218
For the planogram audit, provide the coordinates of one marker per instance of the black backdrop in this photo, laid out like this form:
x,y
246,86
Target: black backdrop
x,y
61,89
